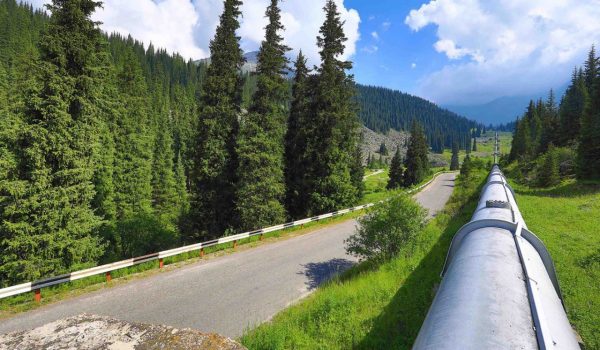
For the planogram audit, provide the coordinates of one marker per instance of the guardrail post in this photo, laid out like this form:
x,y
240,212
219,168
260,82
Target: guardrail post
x,y
261,237
160,263
108,276
202,252
235,244
37,295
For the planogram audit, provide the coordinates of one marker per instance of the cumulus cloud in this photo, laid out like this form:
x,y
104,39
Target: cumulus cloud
x,y
187,26
375,35
509,47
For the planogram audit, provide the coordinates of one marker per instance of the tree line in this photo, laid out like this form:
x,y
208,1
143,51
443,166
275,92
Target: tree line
x,y
111,150
553,140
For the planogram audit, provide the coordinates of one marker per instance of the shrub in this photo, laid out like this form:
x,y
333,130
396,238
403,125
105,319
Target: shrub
x,y
386,229
547,171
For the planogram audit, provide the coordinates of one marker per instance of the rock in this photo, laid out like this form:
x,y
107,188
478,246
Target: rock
x,y
91,332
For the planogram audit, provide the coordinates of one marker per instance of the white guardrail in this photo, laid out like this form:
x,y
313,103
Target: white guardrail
x,y
108,268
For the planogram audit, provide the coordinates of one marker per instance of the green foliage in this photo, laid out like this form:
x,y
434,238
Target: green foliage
x,y
474,148
466,167
335,129
261,182
383,149
383,305
48,223
213,176
454,162
387,229
296,152
142,235
589,142
396,171
383,109
548,170
417,161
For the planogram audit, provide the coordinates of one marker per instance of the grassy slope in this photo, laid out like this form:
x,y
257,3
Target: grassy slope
x,y
567,219
372,308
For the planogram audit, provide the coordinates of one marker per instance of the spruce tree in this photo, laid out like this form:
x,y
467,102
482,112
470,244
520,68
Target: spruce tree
x,y
571,109
396,171
465,168
48,224
166,199
261,184
591,69
454,162
134,142
383,149
213,175
416,163
474,144
549,171
296,157
588,152
335,137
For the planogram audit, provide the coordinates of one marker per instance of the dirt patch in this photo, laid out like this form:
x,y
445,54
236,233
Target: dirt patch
x,y
89,332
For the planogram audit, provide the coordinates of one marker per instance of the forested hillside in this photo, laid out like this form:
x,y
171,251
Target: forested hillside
x,y
555,140
382,109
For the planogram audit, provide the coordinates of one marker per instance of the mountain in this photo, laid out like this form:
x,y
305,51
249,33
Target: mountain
x,y
382,109
503,109
249,66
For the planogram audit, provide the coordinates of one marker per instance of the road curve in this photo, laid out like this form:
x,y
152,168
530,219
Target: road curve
x,y
230,293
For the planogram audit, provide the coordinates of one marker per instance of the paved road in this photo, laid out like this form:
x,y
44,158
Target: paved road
x,y
230,293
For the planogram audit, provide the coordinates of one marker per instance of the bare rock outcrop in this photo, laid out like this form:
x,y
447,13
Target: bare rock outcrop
x,y
91,332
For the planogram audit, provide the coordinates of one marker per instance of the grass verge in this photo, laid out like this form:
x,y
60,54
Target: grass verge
x,y
373,307
567,219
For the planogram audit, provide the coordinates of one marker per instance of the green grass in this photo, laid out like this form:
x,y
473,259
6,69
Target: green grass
x,y
373,307
567,219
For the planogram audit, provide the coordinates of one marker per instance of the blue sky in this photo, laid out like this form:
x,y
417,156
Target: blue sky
x,y
452,52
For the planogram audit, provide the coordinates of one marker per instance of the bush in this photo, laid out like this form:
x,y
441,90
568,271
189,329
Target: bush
x,y
386,229
547,171
144,234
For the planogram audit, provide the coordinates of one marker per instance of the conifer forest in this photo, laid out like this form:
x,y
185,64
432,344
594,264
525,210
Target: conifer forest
x,y
110,149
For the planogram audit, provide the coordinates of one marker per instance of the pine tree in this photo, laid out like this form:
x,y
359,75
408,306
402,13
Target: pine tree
x,y
416,163
589,143
571,109
474,144
336,134
298,128
48,224
454,162
396,171
261,186
213,176
383,149
549,172
166,199
134,143
591,69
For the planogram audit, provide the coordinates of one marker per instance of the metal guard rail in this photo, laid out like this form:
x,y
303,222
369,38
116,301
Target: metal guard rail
x,y
108,268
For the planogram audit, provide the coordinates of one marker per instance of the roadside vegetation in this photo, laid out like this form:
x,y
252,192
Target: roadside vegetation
x,y
379,303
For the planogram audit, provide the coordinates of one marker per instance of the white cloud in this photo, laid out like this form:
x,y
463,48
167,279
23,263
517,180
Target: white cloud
x,y
386,25
187,26
370,49
508,47
375,35
413,65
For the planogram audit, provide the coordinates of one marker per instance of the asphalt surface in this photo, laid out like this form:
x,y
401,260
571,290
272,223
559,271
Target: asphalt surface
x,y
227,294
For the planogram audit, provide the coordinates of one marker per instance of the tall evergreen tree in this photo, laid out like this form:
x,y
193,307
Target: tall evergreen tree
x,y
591,69
474,148
417,161
261,186
134,143
396,171
48,225
336,134
166,198
298,128
454,162
571,109
213,176
589,142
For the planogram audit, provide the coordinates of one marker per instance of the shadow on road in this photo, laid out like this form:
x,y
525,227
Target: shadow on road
x,y
318,273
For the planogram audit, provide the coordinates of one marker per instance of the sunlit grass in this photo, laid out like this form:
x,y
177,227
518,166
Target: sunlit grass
x,y
373,307
567,219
